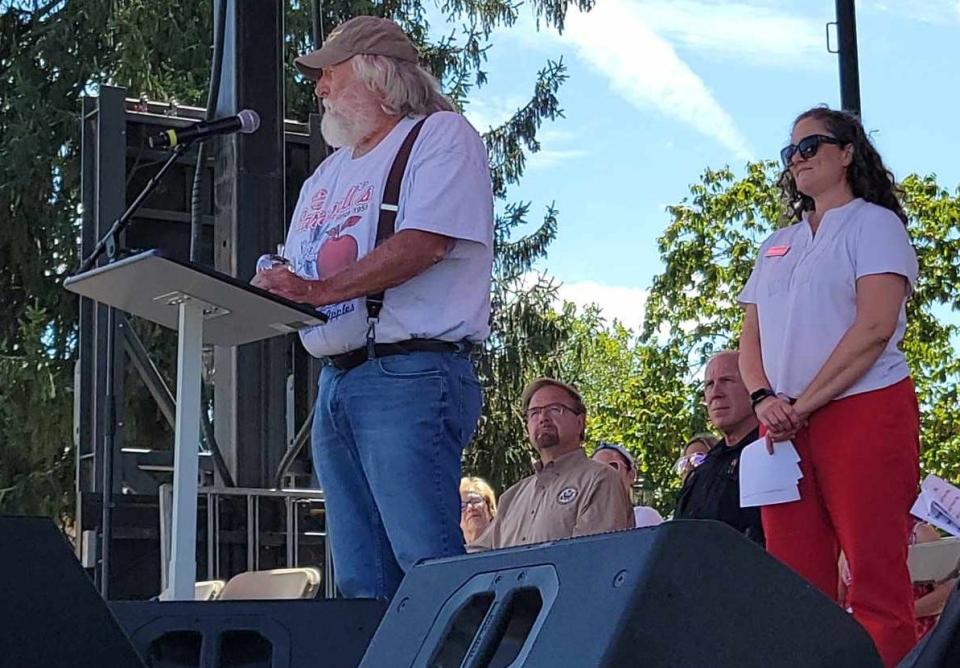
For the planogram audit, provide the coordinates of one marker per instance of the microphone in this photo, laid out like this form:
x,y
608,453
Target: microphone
x,y
245,122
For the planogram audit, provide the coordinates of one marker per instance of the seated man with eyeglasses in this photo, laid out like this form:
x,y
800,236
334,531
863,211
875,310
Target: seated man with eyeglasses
x,y
570,494
620,460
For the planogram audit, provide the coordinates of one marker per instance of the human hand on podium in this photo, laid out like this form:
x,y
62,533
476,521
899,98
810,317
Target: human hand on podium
x,y
284,283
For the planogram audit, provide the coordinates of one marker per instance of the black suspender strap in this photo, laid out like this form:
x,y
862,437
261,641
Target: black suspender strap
x,y
386,224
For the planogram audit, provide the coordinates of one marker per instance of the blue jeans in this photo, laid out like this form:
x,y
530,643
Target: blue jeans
x,y
387,441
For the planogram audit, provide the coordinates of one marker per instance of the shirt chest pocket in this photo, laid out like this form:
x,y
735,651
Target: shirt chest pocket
x,y
778,272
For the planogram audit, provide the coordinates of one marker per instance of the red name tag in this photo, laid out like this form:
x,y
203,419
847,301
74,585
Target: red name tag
x,y
777,251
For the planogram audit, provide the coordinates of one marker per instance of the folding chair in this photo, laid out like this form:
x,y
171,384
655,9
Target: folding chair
x,y
279,583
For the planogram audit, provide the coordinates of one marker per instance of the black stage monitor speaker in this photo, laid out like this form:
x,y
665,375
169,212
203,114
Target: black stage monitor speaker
x,y
250,634
689,594
51,614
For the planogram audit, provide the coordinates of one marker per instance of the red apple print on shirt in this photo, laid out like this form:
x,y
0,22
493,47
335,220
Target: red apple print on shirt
x,y
338,250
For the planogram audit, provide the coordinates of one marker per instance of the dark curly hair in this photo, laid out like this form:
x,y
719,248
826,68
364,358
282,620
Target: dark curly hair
x,y
867,175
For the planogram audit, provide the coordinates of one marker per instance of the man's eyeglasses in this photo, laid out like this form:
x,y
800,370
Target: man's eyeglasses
x,y
551,411
806,147
471,502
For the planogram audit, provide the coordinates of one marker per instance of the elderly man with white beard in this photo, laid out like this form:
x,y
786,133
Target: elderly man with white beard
x,y
392,239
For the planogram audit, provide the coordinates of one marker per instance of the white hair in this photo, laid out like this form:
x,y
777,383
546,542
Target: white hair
x,y
403,88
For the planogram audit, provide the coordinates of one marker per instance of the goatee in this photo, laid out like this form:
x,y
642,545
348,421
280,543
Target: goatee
x,y
546,439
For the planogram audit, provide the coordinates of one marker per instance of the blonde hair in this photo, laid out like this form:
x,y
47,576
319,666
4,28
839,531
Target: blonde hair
x,y
404,88
483,488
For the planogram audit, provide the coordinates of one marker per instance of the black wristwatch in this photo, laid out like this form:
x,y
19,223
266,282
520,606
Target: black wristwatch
x,y
759,395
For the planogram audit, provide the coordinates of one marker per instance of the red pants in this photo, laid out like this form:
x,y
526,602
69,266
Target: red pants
x,y
859,456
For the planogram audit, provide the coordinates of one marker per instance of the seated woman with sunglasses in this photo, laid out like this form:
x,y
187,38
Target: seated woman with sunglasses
x,y
824,314
694,452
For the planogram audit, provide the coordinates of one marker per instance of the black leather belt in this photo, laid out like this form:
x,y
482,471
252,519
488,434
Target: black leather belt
x,y
354,358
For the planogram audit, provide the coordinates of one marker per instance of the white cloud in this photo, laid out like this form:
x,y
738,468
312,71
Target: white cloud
x,y
644,68
556,148
616,302
553,134
634,44
942,12
485,112
489,111
761,35
547,158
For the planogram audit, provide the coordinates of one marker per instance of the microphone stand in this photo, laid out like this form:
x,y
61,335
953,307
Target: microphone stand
x,y
110,240
109,243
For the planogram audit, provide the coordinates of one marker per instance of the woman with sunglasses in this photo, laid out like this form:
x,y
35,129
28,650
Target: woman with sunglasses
x,y
824,314
694,452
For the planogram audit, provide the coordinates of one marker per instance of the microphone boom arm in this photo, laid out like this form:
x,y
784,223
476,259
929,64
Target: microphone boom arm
x,y
110,240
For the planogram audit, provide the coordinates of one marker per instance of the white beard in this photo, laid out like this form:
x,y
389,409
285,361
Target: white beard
x,y
341,127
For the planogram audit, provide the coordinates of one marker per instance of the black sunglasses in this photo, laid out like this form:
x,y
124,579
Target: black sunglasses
x,y
807,147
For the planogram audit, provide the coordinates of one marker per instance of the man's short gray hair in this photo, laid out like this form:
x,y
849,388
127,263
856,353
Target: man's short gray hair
x,y
404,88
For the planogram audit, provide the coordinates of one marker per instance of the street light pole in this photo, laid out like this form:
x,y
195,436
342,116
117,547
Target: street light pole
x,y
847,56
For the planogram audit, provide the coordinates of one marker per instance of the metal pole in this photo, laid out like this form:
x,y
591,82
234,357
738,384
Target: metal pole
x,y
109,443
183,562
316,16
847,56
250,422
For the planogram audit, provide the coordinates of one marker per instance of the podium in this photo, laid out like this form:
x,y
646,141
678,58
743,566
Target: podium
x,y
205,307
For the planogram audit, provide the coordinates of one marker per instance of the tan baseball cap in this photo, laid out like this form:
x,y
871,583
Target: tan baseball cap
x,y
362,34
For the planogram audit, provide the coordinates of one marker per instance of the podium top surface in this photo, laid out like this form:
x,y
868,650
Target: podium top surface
x,y
151,286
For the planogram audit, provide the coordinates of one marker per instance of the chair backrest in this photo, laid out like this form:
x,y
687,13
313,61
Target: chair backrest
x,y
279,583
208,590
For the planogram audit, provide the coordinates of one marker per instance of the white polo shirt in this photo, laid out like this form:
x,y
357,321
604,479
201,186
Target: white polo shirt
x,y
804,287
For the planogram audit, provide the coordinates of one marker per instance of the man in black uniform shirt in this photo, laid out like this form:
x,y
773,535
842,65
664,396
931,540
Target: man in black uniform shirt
x,y
712,490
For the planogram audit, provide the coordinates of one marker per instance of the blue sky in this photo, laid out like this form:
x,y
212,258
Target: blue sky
x,y
661,89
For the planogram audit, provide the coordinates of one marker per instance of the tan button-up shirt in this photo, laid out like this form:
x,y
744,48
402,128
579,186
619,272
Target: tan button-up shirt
x,y
572,496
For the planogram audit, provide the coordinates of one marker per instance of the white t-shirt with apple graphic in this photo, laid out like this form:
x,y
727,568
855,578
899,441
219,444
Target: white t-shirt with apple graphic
x,y
446,189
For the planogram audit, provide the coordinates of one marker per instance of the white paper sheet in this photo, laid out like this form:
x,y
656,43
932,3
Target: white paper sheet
x,y
771,498
767,479
938,504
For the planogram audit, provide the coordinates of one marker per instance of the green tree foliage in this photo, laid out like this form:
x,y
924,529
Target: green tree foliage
x,y
638,396
708,250
35,480
43,69
645,391
52,53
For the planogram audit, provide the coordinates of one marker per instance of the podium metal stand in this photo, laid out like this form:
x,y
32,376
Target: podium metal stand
x,y
205,307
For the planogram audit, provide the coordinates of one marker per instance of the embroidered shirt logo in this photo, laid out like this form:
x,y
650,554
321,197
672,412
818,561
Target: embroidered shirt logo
x,y
567,495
